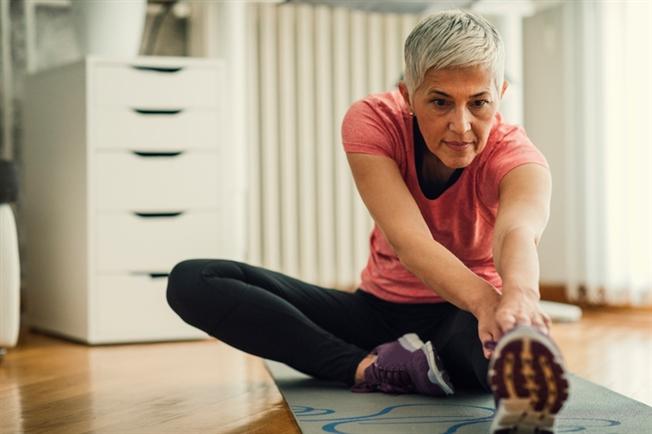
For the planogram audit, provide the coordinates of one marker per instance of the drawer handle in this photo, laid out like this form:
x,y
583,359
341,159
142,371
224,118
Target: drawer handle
x,y
164,69
152,275
157,154
143,111
158,275
158,214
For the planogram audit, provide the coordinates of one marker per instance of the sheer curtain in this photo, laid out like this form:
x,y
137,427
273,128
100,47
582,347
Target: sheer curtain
x,y
610,207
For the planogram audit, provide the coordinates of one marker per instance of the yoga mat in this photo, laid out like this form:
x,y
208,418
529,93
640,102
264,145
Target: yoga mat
x,y
321,406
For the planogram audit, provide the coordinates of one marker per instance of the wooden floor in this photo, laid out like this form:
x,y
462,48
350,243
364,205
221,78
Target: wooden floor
x,y
52,386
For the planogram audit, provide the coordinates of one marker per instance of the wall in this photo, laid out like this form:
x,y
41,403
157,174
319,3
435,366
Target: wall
x,y
544,121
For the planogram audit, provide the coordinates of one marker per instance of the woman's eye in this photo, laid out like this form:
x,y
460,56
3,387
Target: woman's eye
x,y
479,103
440,102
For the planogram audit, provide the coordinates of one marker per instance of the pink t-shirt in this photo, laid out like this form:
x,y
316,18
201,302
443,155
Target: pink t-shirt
x,y
462,218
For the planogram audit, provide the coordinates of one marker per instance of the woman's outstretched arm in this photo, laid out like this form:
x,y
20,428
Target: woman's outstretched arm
x,y
523,213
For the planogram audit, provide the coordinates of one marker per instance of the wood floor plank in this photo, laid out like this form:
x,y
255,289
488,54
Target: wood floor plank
x,y
612,347
49,385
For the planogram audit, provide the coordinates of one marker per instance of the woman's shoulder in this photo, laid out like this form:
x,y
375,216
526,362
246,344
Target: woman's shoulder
x,y
507,139
377,124
505,133
508,147
388,105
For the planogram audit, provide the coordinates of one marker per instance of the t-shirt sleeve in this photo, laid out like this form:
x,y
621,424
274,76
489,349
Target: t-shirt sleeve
x,y
365,129
513,150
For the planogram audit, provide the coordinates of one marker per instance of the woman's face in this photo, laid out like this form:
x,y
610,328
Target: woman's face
x,y
455,109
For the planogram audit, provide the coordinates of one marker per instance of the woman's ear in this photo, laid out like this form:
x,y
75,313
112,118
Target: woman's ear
x,y
505,85
406,95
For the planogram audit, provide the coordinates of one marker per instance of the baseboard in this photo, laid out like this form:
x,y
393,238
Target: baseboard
x,y
554,292
557,292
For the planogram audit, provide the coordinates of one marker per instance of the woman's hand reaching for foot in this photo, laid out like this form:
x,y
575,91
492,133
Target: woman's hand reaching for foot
x,y
521,307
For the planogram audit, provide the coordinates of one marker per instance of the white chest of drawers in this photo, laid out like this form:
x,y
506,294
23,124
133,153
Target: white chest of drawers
x,y
126,172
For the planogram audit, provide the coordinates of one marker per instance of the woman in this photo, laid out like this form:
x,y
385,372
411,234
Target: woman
x,y
460,200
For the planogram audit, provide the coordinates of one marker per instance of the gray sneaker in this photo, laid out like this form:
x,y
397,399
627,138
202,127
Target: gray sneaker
x,y
406,365
528,380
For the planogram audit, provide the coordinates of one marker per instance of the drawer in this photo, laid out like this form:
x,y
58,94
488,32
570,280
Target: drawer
x,y
132,308
127,128
127,242
156,87
150,181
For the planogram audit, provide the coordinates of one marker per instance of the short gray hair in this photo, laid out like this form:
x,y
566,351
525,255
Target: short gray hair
x,y
450,39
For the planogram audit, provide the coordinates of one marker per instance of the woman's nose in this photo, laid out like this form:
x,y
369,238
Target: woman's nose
x,y
460,122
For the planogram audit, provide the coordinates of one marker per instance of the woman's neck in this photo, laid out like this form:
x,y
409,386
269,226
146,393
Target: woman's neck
x,y
433,170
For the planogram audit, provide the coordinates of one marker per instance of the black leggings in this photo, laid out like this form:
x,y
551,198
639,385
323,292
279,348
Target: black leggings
x,y
322,332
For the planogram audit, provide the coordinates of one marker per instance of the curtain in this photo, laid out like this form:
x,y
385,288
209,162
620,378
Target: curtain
x,y
611,160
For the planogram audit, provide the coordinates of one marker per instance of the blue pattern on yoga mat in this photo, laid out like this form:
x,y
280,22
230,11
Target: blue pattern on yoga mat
x,y
321,406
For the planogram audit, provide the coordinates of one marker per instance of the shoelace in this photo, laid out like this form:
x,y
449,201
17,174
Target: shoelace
x,y
394,380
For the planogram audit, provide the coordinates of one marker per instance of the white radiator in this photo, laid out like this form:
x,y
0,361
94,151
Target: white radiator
x,y
307,65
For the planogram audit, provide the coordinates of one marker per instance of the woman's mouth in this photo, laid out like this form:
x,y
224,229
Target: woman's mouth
x,y
458,146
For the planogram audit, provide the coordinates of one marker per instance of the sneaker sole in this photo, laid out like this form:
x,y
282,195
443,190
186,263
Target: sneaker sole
x,y
436,373
528,381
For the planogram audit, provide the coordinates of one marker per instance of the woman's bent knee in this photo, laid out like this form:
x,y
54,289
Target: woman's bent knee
x,y
187,282
204,291
183,280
